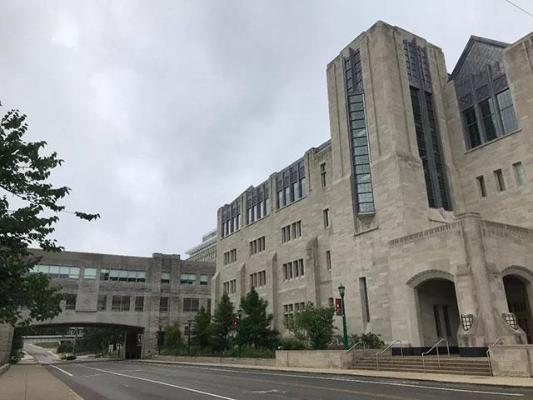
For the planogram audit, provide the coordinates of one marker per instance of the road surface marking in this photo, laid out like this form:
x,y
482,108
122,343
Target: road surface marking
x,y
162,383
447,389
62,370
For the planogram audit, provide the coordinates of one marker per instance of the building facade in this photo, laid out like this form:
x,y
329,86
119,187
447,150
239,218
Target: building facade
x,y
420,204
143,294
205,251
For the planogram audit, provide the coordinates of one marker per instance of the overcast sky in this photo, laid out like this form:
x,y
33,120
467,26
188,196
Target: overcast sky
x,y
166,110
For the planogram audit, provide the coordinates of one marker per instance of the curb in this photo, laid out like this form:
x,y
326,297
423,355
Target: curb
x,y
4,368
439,378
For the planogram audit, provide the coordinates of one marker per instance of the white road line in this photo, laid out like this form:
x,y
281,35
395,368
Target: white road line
x,y
62,370
163,383
410,385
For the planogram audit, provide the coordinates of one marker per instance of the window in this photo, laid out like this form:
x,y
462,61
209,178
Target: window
x,y
331,302
488,115
472,130
120,303
204,280
363,291
70,301
293,269
519,174
187,279
323,179
139,303
288,312
328,259
230,256
291,231
505,103
165,277
500,183
102,302
163,304
326,217
257,279
257,245
122,275
481,186
89,273
191,304
57,272
230,287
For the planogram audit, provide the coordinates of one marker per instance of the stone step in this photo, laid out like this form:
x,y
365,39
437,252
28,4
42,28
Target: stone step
x,y
430,371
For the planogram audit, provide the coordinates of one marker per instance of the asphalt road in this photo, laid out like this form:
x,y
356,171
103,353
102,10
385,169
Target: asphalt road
x,y
40,354
141,381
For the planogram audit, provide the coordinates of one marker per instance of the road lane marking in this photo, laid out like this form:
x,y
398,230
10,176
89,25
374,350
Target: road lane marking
x,y
217,396
410,385
62,370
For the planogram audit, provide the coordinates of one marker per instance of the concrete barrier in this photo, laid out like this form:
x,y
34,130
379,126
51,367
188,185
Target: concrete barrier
x,y
338,359
260,362
512,360
4,368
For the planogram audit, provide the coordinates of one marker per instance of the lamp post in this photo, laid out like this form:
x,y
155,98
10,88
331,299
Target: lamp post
x,y
342,290
239,315
189,322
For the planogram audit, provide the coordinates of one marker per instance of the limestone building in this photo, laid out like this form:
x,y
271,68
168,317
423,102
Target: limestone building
x,y
205,251
420,204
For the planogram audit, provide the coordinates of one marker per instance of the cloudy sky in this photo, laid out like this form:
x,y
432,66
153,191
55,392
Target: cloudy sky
x,y
166,110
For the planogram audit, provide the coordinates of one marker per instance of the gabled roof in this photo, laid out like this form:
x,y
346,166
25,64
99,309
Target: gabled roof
x,y
473,40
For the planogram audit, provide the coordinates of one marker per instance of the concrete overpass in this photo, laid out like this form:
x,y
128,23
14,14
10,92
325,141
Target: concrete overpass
x,y
142,294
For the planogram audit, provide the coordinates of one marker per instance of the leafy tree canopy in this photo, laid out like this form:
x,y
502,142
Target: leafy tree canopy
x,y
201,328
314,324
29,209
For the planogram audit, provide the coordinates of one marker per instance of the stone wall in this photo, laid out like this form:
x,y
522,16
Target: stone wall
x,y
338,359
6,336
512,360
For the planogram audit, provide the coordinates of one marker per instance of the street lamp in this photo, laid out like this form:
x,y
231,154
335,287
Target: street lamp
x,y
342,290
189,322
239,315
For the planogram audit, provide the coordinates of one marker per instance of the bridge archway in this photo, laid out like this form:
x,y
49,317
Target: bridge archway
x,y
517,282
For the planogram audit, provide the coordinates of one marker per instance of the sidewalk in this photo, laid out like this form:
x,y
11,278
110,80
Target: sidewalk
x,y
33,382
417,376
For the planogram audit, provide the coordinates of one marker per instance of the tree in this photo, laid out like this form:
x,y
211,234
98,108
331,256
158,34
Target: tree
x,y
222,324
201,326
173,340
314,325
29,209
254,326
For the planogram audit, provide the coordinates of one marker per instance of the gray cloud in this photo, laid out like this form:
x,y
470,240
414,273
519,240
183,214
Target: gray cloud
x,y
165,110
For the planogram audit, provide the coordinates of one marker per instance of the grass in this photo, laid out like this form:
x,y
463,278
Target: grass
x,y
48,345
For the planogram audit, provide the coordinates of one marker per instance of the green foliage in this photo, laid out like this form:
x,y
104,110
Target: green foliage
x,y
221,326
65,347
292,344
97,340
173,339
16,346
254,327
367,340
48,345
25,221
314,324
201,329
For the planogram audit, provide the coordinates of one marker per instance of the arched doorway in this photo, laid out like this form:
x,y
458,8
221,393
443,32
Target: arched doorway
x,y
516,292
438,311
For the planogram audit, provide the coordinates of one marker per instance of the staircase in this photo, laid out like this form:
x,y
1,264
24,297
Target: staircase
x,y
448,365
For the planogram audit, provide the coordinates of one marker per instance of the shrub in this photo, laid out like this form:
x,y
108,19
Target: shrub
x,y
65,347
291,344
314,324
253,352
368,340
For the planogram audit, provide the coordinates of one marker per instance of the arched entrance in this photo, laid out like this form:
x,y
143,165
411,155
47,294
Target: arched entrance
x,y
517,292
438,313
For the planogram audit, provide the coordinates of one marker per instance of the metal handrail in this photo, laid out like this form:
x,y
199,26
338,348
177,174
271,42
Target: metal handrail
x,y
500,339
436,346
353,346
379,353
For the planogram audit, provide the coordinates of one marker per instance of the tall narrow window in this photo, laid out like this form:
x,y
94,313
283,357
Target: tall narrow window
x,y
500,183
364,299
481,186
447,324
488,113
139,303
519,174
472,129
328,260
326,217
505,103
102,302
436,315
323,174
